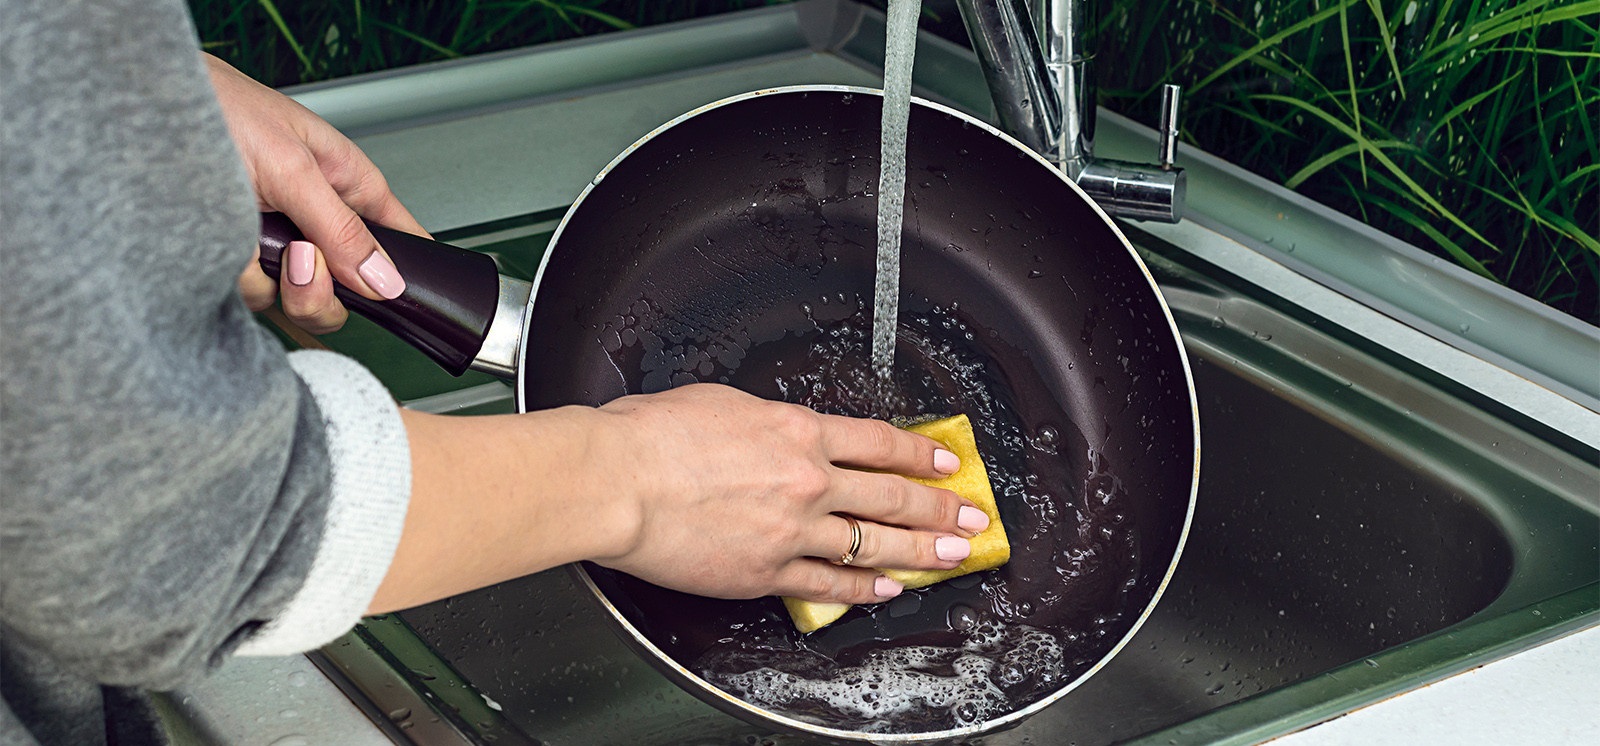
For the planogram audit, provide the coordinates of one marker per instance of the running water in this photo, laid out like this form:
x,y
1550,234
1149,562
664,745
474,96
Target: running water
x,y
898,53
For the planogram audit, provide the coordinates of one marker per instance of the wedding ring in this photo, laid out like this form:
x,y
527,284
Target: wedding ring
x,y
855,542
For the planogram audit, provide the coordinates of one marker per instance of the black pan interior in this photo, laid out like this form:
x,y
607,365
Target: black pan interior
x,y
738,247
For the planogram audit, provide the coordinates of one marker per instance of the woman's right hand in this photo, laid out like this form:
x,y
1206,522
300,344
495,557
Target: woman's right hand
x,y
703,488
737,497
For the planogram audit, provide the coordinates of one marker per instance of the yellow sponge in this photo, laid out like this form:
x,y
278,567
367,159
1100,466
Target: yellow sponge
x,y
990,549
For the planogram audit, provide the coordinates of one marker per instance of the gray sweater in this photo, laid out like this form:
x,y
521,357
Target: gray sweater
x,y
173,488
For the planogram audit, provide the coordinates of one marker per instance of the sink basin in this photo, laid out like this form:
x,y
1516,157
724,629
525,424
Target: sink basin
x,y
1360,530
1386,500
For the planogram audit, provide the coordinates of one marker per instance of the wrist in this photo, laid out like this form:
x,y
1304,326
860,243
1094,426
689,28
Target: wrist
x,y
610,505
535,490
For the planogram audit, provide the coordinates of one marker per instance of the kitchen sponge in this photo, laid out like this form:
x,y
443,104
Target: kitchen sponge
x,y
990,549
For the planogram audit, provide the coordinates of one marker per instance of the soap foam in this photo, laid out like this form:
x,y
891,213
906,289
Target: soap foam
x,y
912,688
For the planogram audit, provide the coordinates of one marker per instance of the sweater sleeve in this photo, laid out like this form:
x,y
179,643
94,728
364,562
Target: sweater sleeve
x,y
171,489
371,469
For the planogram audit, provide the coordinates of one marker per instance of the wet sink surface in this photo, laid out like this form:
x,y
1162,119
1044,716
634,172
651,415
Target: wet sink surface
x,y
1337,523
1347,510
1363,526
1310,549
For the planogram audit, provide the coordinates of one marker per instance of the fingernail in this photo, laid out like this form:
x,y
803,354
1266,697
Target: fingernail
x,y
886,587
972,519
302,261
945,462
381,276
950,548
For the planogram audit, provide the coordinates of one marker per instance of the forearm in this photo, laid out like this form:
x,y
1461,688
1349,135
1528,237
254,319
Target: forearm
x,y
703,489
495,498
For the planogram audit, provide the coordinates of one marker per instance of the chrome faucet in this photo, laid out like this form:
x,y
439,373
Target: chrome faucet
x,y
1044,96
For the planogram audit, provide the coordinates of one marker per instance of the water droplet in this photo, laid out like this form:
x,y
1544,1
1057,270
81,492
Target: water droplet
x,y
962,617
400,713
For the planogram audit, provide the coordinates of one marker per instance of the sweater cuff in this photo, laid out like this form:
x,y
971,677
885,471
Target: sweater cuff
x,y
370,462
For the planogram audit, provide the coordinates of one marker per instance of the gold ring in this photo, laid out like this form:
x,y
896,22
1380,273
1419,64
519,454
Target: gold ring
x,y
855,542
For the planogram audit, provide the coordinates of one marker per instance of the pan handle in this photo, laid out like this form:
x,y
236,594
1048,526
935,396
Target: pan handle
x,y
450,299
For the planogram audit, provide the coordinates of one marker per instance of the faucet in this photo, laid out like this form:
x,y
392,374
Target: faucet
x,y
1044,96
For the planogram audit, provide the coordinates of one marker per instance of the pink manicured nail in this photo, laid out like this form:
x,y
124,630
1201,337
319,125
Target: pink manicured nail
x,y
302,261
950,548
972,519
886,587
945,462
381,276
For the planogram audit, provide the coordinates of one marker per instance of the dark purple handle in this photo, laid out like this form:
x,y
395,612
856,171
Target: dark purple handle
x,y
450,297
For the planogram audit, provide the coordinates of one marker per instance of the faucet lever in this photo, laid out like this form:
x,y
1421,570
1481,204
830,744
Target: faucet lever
x,y
1171,95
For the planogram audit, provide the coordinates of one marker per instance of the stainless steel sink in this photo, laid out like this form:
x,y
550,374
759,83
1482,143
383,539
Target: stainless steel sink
x,y
1361,529
1383,502
1354,527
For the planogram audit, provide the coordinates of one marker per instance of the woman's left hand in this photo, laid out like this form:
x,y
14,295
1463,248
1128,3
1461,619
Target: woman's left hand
x,y
303,167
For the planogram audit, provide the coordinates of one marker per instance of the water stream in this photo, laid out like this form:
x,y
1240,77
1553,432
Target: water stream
x,y
899,51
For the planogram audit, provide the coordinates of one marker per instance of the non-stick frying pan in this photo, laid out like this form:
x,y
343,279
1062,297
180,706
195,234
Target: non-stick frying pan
x,y
736,244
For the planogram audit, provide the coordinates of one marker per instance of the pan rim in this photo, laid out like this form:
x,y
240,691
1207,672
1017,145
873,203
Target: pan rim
x,y
706,688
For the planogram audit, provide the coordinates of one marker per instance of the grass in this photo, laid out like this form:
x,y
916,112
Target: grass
x,y
282,43
1467,127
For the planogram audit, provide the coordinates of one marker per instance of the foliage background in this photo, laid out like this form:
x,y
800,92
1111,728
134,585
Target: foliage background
x,y
1466,127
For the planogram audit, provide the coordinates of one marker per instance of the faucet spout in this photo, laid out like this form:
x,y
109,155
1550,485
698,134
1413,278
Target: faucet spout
x,y
1039,75
1003,37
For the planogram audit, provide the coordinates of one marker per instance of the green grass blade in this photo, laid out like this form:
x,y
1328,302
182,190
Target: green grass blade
x,y
1393,168
508,14
1340,153
1519,19
1270,43
288,36
1350,80
1570,179
1261,121
1388,44
1544,52
606,18
561,12
1549,220
1467,105
469,12
424,41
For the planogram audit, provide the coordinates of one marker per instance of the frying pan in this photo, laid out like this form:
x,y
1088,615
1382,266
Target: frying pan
x,y
736,244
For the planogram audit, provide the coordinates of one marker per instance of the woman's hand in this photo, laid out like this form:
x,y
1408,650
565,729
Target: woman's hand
x,y
306,169
738,497
703,488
